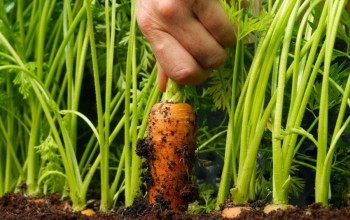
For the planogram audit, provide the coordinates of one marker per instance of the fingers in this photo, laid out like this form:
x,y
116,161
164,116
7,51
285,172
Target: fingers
x,y
193,36
180,22
188,37
162,79
175,61
213,17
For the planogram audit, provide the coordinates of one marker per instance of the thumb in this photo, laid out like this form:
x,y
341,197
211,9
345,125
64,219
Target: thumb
x,y
162,79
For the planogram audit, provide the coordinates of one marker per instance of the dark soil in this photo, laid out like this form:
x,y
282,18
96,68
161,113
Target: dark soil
x,y
16,206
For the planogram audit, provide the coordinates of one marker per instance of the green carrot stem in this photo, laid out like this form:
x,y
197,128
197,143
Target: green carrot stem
x,y
103,147
323,171
128,139
280,193
173,93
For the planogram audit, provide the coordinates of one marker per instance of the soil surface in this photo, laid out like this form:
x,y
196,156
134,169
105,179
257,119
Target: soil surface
x,y
16,206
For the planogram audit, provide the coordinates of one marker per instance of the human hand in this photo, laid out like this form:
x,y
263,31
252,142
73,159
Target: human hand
x,y
188,37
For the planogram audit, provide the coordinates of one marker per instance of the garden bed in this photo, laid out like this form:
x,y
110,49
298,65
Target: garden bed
x,y
77,84
17,206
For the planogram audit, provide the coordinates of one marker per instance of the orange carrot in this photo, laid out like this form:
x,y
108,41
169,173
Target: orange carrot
x,y
172,140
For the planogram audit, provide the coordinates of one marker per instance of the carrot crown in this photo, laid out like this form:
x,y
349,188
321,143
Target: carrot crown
x,y
173,93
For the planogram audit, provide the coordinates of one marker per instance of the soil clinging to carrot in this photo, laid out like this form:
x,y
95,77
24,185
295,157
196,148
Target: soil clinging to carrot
x,y
169,151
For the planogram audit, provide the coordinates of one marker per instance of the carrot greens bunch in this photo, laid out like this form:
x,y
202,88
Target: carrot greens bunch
x,y
275,96
72,82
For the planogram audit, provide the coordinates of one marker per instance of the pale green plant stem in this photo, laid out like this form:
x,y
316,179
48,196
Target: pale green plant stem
x,y
300,63
173,92
88,153
130,70
117,99
231,155
30,35
114,185
73,178
241,191
21,27
56,39
2,164
53,172
36,111
10,166
230,160
32,157
128,200
136,160
41,37
302,101
60,52
313,124
302,95
323,112
74,181
323,170
69,58
153,98
259,72
82,46
103,145
10,157
280,193
210,140
253,77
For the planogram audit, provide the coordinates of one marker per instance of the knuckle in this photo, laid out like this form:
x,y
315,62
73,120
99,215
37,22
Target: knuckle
x,y
215,60
231,40
167,9
184,75
144,21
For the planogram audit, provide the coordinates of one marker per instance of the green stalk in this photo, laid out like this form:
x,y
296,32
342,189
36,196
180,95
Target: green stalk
x,y
130,70
300,63
73,180
173,92
305,85
323,171
36,112
69,57
103,145
241,191
253,79
21,26
136,160
82,46
71,171
2,165
259,72
323,114
153,98
56,39
32,157
58,58
41,37
280,178
92,146
230,158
